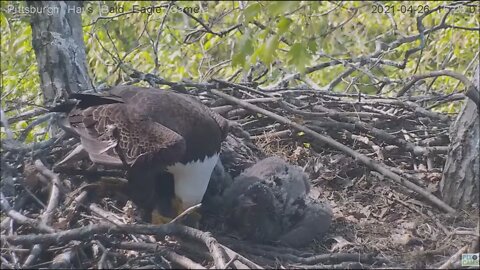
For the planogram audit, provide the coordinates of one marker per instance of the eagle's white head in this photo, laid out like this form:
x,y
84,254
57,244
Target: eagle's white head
x,y
191,179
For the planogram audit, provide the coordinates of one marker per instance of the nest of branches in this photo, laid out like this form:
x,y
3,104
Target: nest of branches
x,y
377,161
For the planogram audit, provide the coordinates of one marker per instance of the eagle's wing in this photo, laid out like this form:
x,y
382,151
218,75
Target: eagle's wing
x,y
115,134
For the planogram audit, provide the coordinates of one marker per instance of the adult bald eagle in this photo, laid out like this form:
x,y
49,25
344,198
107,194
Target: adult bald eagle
x,y
157,135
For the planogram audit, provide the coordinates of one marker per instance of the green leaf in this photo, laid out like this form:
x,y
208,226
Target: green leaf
x,y
451,108
280,7
251,12
283,25
312,46
243,48
4,25
257,53
210,42
270,49
314,5
263,34
21,125
245,45
298,56
238,59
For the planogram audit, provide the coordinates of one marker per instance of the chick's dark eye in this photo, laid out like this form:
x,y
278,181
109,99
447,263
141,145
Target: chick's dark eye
x,y
277,181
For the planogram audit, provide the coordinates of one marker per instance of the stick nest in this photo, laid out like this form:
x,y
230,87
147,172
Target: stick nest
x,y
61,220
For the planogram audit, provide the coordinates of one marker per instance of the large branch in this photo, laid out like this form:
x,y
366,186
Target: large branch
x,y
89,231
57,40
470,89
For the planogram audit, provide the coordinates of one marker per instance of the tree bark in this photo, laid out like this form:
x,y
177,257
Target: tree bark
x,y
57,39
461,175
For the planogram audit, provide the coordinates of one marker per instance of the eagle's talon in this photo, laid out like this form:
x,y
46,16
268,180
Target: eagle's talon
x,y
159,219
192,218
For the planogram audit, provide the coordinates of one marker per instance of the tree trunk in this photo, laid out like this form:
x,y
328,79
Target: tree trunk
x,y
57,39
461,176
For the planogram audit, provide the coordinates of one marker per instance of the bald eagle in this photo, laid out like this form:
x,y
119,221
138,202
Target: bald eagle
x,y
168,142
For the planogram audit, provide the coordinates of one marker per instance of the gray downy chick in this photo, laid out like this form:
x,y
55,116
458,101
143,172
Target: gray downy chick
x,y
250,209
315,222
289,185
281,210
219,181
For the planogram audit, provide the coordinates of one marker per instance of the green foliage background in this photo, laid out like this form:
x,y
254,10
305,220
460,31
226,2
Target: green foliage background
x,y
286,37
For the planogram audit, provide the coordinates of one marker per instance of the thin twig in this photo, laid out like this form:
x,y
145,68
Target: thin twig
x,y
186,212
18,217
180,260
47,215
454,258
